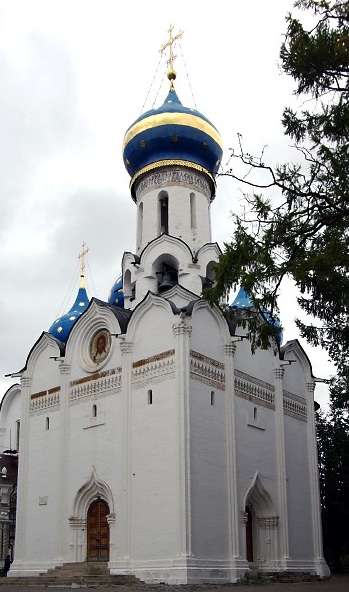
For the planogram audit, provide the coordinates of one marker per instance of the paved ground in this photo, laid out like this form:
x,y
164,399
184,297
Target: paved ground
x,y
334,584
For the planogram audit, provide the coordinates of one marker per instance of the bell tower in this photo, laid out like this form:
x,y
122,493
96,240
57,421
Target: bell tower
x,y
172,154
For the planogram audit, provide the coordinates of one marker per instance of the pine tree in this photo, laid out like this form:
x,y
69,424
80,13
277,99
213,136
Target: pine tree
x,y
305,236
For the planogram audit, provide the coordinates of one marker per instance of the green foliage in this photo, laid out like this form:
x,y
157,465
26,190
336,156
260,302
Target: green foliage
x,y
305,235
333,449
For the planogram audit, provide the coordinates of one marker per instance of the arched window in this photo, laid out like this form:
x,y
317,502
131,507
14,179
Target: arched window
x,y
163,212
94,410
47,423
212,398
193,210
150,397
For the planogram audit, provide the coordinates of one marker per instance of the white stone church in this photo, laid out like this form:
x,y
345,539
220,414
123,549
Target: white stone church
x,y
151,438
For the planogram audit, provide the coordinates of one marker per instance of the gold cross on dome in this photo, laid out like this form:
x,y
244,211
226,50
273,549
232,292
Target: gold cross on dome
x,y
171,74
84,252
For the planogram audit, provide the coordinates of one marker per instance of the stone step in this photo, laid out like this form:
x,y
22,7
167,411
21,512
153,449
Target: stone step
x,y
93,581
85,573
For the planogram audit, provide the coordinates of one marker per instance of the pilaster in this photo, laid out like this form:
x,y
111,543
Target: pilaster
x,y
321,565
23,468
122,546
237,526
229,353
182,332
281,467
63,455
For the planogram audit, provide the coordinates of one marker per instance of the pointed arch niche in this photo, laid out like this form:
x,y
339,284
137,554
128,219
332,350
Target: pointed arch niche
x,y
94,489
260,526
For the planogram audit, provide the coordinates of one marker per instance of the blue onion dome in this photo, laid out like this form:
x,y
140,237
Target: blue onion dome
x,y
172,134
116,295
62,326
243,301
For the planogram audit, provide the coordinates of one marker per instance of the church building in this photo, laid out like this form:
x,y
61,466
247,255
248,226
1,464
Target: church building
x,y
151,438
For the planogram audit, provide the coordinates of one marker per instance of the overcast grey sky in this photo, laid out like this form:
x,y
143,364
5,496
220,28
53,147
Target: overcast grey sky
x,y
74,74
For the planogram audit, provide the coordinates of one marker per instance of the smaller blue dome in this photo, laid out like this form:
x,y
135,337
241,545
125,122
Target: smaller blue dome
x,y
116,295
62,326
243,301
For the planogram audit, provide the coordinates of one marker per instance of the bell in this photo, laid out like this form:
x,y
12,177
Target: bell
x,y
166,282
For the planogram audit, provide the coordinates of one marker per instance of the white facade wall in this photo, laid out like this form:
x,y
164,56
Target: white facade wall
x,y
180,429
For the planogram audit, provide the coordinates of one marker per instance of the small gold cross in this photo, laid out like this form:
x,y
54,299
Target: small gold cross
x,y
84,252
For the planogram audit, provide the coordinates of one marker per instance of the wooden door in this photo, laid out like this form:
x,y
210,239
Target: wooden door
x,y
98,531
249,537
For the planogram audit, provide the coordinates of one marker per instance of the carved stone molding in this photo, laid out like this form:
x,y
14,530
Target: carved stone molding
x,y
173,177
64,368
268,522
76,522
111,519
229,349
311,387
126,347
26,381
279,373
182,329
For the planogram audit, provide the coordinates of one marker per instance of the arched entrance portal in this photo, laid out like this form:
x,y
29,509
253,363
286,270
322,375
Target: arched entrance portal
x,y
98,531
261,527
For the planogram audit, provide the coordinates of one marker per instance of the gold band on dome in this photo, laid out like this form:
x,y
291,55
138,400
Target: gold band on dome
x,y
163,163
186,119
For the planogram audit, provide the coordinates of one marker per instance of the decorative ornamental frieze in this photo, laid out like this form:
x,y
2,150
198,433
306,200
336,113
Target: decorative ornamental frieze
x,y
174,177
295,406
181,329
294,397
153,369
46,399
96,385
255,390
207,370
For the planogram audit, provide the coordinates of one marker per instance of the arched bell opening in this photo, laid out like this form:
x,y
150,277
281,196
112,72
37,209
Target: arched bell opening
x,y
209,279
129,286
166,271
